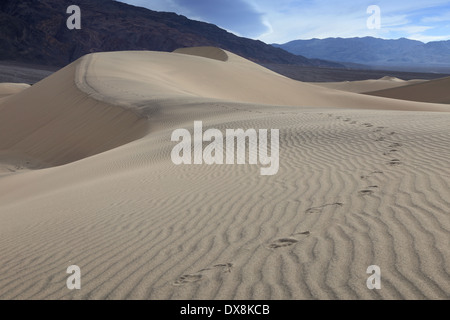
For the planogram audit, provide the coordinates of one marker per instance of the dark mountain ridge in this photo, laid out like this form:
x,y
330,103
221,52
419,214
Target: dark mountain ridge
x,y
35,31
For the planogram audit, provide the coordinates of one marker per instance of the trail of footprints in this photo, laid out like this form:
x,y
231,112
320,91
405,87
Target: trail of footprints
x,y
295,238
392,149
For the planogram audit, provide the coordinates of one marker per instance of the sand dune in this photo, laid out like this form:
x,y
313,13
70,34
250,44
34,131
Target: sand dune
x,y
186,76
368,85
434,91
360,183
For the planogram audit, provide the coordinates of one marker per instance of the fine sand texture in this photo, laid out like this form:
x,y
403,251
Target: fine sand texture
x,y
86,179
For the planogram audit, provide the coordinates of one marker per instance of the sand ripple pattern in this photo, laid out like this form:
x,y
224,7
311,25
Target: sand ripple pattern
x,y
141,228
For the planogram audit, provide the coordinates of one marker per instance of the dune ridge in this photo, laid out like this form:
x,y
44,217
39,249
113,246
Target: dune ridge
x,y
357,186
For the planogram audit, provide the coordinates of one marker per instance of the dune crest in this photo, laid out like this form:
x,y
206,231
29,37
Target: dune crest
x,y
136,80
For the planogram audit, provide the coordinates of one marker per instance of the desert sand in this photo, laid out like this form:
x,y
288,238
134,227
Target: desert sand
x,y
86,179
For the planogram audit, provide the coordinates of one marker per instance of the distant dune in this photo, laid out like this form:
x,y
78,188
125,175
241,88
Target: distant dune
x,y
434,91
368,85
86,179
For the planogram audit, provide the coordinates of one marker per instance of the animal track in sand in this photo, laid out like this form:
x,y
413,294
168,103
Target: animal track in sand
x,y
368,125
199,275
286,242
319,208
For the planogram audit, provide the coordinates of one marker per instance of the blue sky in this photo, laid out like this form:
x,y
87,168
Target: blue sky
x,y
279,21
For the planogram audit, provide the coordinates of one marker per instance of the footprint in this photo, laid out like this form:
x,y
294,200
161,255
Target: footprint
x,y
353,122
389,152
226,267
280,243
370,174
187,278
395,145
365,192
395,162
319,209
368,125
306,233
199,275
392,133
286,242
380,139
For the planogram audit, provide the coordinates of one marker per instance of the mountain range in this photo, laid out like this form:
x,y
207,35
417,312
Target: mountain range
x,y
374,51
35,31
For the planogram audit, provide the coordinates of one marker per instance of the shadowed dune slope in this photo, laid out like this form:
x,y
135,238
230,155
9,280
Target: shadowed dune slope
x,y
206,52
57,123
